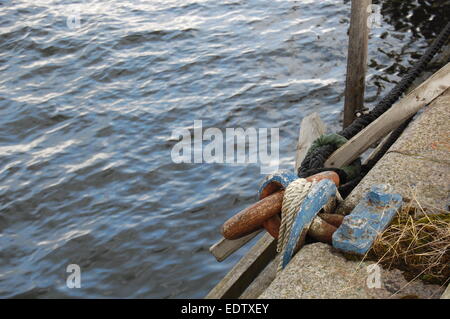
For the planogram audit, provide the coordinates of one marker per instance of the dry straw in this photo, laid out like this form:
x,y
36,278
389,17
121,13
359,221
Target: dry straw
x,y
417,242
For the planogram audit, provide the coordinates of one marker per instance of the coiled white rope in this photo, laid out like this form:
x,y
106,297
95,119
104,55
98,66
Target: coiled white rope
x,y
293,197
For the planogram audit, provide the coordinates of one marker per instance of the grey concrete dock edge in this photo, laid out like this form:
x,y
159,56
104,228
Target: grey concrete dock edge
x,y
318,271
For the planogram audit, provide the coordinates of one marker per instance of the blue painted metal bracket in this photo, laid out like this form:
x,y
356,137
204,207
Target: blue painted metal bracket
x,y
369,218
317,198
278,180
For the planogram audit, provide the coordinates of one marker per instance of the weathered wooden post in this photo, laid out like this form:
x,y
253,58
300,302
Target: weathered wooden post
x,y
356,59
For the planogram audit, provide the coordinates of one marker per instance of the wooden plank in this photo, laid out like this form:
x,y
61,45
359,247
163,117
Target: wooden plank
x,y
311,128
393,118
356,59
376,149
264,279
224,247
246,270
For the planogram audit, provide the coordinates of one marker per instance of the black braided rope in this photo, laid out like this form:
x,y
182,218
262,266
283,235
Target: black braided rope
x,y
315,159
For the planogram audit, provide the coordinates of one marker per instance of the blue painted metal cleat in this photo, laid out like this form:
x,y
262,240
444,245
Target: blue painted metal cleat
x,y
275,182
319,195
370,217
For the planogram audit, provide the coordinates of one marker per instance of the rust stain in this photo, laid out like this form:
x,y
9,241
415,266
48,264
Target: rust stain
x,y
441,145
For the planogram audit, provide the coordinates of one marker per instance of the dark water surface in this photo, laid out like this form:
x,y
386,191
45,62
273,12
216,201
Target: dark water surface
x,y
86,118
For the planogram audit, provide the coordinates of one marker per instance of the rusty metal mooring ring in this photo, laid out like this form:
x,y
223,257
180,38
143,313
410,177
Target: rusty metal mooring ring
x,y
265,213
